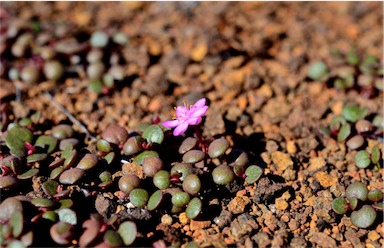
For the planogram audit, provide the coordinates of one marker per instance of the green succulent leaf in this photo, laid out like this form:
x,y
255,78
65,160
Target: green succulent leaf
x,y
155,200
193,156
50,215
96,86
344,132
253,174
375,154
375,195
105,176
48,143
7,181
128,232
353,113
194,208
339,205
110,157
357,190
218,147
318,71
16,222
42,202
69,154
352,57
112,238
16,138
36,157
337,122
138,197
50,187
29,174
15,244
362,159
364,217
153,134
66,203
67,215
145,154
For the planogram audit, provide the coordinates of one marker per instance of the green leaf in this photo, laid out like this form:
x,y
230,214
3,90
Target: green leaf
x,y
364,217
110,157
353,113
66,203
36,157
50,215
253,173
105,176
318,71
218,147
145,154
194,208
153,134
50,187
337,122
29,174
339,205
96,86
138,197
17,223
352,57
128,232
16,138
15,244
344,132
42,202
375,154
113,238
67,215
155,200
362,159
69,154
48,143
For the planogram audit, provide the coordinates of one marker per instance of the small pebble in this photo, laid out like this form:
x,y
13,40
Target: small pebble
x,y
166,219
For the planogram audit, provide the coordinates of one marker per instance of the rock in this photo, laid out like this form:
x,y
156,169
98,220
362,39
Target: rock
x,y
166,219
197,225
244,224
316,163
262,239
238,204
326,180
198,53
281,202
322,240
281,160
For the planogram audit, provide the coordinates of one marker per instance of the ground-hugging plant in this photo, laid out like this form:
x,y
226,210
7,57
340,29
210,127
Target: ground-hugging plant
x,y
362,202
352,128
352,70
35,53
154,169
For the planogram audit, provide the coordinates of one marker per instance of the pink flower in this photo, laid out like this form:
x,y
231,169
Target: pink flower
x,y
186,116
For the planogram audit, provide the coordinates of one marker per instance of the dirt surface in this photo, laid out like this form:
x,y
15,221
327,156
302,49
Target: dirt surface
x,y
251,61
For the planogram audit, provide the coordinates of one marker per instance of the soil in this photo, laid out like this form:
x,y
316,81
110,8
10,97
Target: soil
x,y
251,61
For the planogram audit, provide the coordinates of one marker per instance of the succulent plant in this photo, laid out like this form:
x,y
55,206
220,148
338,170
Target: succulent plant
x,y
155,179
357,194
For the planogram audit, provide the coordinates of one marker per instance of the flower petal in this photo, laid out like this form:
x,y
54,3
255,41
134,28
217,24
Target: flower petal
x,y
200,103
194,120
170,123
200,111
180,129
181,111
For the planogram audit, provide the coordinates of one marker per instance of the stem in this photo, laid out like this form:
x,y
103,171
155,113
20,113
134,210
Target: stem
x,y
199,137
